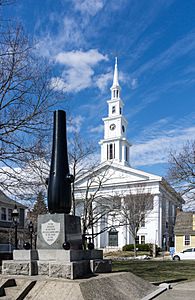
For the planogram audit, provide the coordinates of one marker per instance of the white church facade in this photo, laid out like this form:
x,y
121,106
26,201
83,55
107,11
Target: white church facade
x,y
118,179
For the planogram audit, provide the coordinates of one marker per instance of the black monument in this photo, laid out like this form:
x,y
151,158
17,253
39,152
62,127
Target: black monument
x,y
59,183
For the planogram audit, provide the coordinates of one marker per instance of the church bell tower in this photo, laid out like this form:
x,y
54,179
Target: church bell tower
x,y
115,147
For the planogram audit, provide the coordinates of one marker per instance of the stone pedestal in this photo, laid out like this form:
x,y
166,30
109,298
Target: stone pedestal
x,y
56,263
50,258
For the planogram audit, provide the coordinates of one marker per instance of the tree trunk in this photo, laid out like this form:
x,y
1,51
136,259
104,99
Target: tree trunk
x,y
135,251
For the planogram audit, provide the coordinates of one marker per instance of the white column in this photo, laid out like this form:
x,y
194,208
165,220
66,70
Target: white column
x,y
160,222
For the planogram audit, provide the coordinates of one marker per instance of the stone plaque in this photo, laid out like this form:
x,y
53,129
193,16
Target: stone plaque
x,y
50,231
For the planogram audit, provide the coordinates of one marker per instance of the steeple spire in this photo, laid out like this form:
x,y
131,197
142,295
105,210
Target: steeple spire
x,y
115,88
115,78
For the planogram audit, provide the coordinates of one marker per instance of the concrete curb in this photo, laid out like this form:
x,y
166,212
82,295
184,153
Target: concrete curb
x,y
162,288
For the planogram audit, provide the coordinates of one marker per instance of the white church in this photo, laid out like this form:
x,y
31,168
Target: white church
x,y
115,178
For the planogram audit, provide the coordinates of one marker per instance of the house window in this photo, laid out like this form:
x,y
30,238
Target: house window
x,y
137,240
142,239
3,213
113,109
187,240
113,237
9,214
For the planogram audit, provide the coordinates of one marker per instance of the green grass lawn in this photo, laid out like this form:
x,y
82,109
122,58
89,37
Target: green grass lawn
x,y
153,270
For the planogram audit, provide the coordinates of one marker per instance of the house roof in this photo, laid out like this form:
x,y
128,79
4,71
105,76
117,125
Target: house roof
x,y
184,223
6,200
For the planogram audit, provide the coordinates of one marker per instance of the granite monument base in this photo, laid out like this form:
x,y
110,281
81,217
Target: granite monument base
x,y
70,264
50,258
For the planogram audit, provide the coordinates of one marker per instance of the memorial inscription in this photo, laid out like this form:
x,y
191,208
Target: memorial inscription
x,y
50,231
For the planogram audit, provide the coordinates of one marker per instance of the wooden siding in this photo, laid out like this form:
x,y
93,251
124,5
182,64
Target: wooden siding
x,y
179,242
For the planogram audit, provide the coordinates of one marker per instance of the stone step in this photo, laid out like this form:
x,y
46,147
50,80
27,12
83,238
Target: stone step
x,y
15,289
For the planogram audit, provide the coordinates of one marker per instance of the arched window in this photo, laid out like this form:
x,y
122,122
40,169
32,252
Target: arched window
x,y
114,93
113,237
126,153
111,151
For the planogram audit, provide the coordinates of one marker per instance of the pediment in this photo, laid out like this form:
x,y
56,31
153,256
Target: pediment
x,y
115,174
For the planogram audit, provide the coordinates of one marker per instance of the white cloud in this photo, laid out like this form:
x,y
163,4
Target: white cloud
x,y
79,69
179,49
80,58
103,80
97,129
134,83
90,7
156,150
69,34
75,124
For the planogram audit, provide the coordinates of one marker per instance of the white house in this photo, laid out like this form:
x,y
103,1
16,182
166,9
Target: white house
x,y
118,178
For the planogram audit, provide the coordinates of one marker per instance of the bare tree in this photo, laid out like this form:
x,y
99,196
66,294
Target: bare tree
x,y
26,98
80,155
182,170
135,208
93,204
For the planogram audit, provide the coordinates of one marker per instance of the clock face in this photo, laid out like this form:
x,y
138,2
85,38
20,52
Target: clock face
x,y
112,126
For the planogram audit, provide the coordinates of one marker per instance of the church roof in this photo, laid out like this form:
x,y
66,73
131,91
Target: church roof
x,y
118,174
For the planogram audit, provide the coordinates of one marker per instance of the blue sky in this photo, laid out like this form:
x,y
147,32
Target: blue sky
x,y
154,41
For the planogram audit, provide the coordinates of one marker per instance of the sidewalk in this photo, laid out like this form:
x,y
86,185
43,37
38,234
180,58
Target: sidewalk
x,y
179,291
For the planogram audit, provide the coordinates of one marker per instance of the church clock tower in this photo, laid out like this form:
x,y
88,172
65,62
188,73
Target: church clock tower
x,y
114,146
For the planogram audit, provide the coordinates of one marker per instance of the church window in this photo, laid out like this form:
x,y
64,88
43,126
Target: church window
x,y
113,238
114,93
143,221
126,153
111,151
120,110
116,202
113,109
117,93
137,240
142,239
123,128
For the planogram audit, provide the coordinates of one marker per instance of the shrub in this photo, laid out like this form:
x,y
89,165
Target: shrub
x,y
141,247
129,247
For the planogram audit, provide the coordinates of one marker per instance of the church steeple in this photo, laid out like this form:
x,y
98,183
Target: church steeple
x,y
115,78
115,88
114,146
